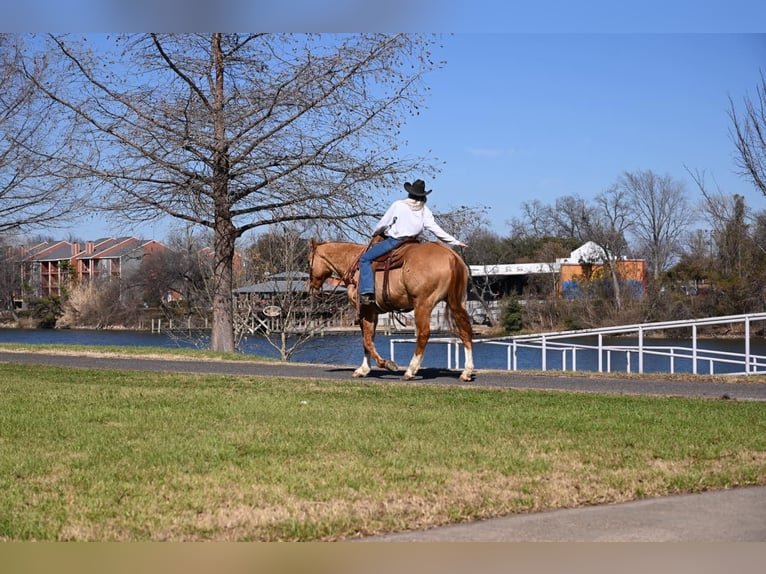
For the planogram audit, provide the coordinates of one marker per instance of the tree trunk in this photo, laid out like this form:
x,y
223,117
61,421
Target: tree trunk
x,y
225,234
222,334
615,283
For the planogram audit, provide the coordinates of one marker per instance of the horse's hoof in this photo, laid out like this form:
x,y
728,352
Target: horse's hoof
x,y
359,374
408,376
391,366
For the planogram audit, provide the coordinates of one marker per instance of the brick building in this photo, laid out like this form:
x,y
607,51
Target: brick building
x,y
49,267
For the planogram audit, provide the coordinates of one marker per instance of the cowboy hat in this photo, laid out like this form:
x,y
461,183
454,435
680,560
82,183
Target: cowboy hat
x,y
417,189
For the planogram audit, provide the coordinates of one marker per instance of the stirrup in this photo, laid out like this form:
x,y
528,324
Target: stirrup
x,y
366,299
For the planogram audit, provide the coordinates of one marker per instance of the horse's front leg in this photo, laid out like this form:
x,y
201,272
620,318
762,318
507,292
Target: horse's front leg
x,y
368,321
422,333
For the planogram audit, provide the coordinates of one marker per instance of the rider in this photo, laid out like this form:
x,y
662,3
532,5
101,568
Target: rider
x,y
405,218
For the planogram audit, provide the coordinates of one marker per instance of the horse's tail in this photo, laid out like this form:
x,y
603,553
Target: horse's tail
x,y
457,294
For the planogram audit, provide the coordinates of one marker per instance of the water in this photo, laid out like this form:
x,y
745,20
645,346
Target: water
x,y
335,349
346,349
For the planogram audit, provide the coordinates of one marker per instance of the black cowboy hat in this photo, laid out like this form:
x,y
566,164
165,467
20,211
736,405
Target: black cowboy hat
x,y
417,189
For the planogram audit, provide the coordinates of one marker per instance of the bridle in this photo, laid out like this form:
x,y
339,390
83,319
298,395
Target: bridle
x,y
333,268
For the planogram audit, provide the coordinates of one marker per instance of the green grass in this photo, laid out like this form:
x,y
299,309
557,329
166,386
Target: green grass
x,y
136,351
109,455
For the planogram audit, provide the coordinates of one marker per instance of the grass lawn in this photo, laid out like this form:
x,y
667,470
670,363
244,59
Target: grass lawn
x,y
117,456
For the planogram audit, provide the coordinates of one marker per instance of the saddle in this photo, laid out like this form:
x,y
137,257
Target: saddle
x,y
394,259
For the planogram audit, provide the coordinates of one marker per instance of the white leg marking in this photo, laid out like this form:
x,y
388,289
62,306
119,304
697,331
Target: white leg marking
x,y
364,368
468,369
413,367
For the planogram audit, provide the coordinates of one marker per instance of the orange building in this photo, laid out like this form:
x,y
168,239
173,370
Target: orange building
x,y
631,273
584,264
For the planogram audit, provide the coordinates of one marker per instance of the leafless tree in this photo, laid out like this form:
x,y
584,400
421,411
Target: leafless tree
x,y
236,132
567,217
607,226
10,275
536,220
605,221
35,190
749,135
727,217
279,259
661,213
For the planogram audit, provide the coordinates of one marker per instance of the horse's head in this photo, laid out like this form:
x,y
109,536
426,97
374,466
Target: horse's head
x,y
319,270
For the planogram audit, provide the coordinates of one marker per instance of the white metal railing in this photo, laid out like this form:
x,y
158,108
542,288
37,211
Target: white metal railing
x,y
568,345
453,345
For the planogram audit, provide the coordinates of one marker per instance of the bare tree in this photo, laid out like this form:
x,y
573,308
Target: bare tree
x,y
235,132
661,214
536,220
34,188
607,225
734,240
186,267
749,135
279,261
10,276
567,217
727,216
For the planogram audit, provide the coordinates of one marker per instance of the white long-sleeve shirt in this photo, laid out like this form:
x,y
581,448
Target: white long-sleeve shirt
x,y
408,218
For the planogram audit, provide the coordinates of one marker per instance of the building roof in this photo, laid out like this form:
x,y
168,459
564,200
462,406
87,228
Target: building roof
x,y
103,248
295,282
113,248
61,250
588,251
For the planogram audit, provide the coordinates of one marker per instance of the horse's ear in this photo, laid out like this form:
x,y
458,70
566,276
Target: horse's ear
x,y
313,244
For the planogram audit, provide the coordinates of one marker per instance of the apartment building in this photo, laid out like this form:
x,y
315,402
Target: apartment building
x,y
50,267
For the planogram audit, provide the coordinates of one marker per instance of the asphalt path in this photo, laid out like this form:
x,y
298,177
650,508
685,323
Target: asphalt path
x,y
735,515
613,384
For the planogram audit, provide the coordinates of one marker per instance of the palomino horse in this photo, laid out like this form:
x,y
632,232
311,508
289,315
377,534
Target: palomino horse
x,y
431,273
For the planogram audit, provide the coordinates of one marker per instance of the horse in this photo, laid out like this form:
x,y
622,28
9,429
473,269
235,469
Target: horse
x,y
431,272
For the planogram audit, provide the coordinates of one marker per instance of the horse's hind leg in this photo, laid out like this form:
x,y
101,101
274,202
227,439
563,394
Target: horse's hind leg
x,y
465,332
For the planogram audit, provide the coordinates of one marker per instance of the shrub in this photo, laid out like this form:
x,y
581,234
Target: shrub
x,y
511,318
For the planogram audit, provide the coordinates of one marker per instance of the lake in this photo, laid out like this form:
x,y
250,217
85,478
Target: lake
x,y
346,349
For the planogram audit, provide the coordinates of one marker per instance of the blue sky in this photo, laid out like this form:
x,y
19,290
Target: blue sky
x,y
538,99
514,117
518,117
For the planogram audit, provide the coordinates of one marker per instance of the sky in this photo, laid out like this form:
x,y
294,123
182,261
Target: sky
x,y
522,117
538,99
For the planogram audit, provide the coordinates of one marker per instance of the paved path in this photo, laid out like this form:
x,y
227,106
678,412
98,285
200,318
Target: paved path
x,y
736,515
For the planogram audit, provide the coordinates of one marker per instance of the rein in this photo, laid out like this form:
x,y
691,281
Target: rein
x,y
348,276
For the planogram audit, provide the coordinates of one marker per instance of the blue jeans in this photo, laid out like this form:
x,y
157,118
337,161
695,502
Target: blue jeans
x,y
366,274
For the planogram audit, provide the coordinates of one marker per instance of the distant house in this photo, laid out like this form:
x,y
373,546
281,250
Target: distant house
x,y
48,268
584,263
113,258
